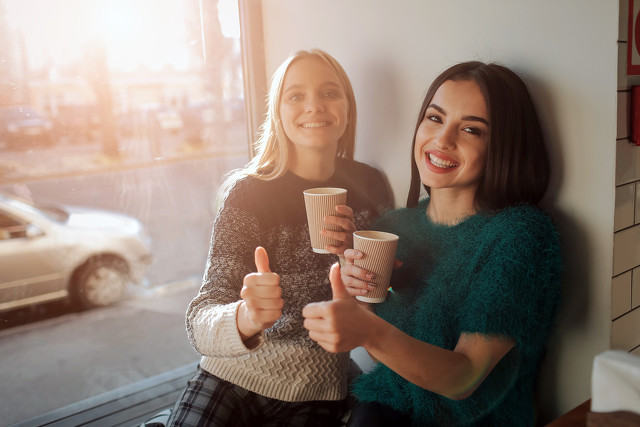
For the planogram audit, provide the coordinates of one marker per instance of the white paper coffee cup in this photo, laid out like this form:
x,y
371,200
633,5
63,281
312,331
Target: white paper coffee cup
x,y
379,252
320,202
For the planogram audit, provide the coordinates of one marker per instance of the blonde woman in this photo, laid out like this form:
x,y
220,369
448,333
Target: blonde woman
x,y
259,366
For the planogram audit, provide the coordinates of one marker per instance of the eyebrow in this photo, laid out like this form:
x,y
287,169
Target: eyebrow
x,y
325,84
469,118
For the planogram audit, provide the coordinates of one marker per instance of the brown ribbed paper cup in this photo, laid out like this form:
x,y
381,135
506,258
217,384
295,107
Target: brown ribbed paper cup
x,y
379,252
319,203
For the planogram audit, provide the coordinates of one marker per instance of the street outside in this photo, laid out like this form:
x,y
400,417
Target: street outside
x,y
52,355
56,362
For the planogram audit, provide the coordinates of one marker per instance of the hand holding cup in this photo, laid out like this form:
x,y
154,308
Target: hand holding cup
x,y
345,223
325,207
376,252
357,281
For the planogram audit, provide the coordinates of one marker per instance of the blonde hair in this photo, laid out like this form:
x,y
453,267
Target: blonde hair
x,y
270,161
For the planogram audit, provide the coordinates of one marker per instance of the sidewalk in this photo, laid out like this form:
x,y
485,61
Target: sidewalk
x,y
69,159
57,362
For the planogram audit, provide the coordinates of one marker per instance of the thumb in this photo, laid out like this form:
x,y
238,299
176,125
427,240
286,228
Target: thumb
x,y
262,260
337,287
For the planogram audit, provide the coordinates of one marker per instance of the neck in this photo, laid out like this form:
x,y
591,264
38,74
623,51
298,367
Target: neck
x,y
312,165
449,208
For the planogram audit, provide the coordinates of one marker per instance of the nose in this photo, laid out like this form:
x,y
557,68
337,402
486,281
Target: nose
x,y
314,104
446,138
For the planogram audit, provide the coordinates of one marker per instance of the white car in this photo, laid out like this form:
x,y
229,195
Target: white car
x,y
55,252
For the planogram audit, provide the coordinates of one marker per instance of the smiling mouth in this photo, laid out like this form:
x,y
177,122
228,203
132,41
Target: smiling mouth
x,y
315,125
440,163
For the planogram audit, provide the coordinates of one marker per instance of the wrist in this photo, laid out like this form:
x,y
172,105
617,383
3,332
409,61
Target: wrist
x,y
246,329
372,327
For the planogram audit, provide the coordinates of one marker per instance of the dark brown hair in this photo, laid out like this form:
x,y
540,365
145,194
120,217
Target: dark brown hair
x,y
517,168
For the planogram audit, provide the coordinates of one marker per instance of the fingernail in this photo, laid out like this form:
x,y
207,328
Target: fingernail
x,y
371,286
371,276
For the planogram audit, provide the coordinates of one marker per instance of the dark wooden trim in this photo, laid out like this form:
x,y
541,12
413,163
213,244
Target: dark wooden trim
x,y
125,406
574,418
253,64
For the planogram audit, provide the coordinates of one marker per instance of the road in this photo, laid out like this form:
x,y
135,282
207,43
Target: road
x,y
56,362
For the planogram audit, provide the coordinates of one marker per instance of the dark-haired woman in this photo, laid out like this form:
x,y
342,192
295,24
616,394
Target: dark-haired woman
x,y
461,335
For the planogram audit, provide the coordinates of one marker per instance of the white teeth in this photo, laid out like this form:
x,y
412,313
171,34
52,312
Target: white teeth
x,y
436,161
314,125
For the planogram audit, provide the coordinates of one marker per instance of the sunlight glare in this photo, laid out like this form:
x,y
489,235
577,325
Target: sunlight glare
x,y
141,33
228,15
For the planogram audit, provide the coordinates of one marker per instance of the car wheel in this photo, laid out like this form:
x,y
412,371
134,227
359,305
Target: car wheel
x,y
100,282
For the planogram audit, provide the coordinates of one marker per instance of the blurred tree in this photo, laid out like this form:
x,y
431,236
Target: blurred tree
x,y
8,79
209,47
99,78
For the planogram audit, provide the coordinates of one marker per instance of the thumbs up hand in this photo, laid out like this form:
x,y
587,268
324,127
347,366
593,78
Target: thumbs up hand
x,y
338,325
262,260
338,289
261,295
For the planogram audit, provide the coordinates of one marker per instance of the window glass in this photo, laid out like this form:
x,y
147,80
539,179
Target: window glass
x,y
119,120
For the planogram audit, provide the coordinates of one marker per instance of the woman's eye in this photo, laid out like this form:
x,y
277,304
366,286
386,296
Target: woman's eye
x,y
472,130
295,97
331,94
433,118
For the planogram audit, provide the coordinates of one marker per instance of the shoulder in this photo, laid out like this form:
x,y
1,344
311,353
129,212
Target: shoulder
x,y
355,169
402,217
240,184
364,180
241,191
525,220
525,233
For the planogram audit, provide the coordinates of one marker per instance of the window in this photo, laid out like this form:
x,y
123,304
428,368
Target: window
x,y
118,121
10,227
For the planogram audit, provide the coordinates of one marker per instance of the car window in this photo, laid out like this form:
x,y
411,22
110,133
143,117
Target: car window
x,y
119,122
11,227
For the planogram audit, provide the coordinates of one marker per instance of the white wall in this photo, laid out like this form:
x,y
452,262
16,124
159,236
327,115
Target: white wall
x,y
567,53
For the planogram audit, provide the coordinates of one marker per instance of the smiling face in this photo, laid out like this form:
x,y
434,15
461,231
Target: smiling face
x,y
452,139
313,106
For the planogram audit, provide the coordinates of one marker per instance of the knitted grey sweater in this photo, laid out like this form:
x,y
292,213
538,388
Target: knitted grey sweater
x,y
282,362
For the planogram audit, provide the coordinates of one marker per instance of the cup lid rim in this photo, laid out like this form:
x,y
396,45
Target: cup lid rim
x,y
322,191
384,235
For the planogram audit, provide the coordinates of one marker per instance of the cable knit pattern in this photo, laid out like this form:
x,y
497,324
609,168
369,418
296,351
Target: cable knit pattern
x,y
491,274
282,362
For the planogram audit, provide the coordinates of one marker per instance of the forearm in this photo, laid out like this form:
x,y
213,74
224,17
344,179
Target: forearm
x,y
448,373
212,317
369,307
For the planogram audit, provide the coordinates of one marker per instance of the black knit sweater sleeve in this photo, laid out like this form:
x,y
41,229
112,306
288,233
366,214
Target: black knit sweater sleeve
x,y
211,314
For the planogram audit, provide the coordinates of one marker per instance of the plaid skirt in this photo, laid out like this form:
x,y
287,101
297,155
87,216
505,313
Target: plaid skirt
x,y
209,401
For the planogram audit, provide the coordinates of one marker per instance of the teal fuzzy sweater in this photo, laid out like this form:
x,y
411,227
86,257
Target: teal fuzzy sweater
x,y
491,274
